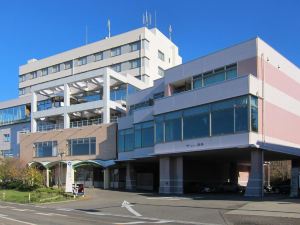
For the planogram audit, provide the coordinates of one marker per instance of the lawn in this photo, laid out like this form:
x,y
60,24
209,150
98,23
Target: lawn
x,y
39,196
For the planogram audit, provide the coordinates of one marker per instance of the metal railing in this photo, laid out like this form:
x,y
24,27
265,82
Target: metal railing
x,y
84,123
74,124
48,127
113,119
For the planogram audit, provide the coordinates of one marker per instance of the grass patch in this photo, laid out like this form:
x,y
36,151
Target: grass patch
x,y
41,195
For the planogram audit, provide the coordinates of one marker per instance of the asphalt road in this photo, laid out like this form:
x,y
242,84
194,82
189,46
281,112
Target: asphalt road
x,y
105,207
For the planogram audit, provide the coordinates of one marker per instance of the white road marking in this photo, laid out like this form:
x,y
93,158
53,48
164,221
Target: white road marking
x,y
166,198
136,222
128,206
18,221
20,210
50,214
65,209
150,218
141,222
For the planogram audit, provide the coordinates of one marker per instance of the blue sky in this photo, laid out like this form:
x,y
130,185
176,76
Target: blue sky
x,y
37,29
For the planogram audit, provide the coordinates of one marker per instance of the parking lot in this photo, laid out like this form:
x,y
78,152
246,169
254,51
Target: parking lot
x,y
187,209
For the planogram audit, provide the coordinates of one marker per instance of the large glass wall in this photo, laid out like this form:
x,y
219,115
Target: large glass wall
x,y
196,122
144,134
219,118
46,149
82,146
126,140
13,115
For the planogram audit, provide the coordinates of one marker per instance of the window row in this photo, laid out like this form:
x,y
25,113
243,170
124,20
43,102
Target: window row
x,y
141,136
80,146
135,46
215,76
220,118
129,65
13,115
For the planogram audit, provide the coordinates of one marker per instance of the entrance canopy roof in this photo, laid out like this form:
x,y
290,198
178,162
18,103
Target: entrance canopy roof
x,y
76,163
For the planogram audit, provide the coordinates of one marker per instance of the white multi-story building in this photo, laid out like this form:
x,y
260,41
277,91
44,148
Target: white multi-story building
x,y
77,96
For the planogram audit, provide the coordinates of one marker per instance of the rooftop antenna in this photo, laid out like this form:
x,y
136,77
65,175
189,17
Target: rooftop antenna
x,y
86,34
108,27
170,32
146,19
155,18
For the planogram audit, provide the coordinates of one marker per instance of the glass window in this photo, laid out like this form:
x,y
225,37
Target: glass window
x,y
82,61
68,65
173,126
161,71
55,68
115,51
125,140
6,137
212,78
197,82
34,75
93,145
99,56
241,114
161,55
129,140
135,63
196,122
134,46
231,71
46,149
254,114
147,134
13,115
222,117
82,146
44,71
137,135
159,129
121,141
116,67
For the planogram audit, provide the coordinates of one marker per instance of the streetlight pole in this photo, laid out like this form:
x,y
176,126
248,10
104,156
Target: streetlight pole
x,y
59,168
61,154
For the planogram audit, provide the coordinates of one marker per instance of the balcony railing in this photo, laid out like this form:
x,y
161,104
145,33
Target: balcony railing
x,y
74,124
48,127
84,123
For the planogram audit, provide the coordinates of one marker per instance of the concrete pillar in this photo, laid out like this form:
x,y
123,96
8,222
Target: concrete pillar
x,y
177,175
33,110
255,183
66,121
69,171
47,178
106,98
130,177
171,175
67,95
106,178
164,175
295,173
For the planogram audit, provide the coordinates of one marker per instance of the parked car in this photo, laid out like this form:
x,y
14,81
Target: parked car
x,y
268,189
229,187
283,187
